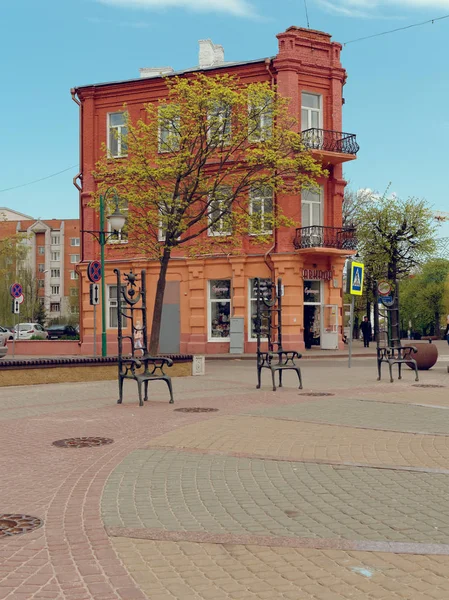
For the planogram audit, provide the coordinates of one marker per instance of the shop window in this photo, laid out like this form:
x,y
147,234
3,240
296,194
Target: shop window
x,y
219,309
312,292
253,309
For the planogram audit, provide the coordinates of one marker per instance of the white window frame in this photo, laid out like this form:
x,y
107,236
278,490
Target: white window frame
x,y
219,113
55,240
55,255
74,275
209,312
41,267
41,250
319,111
52,304
170,129
74,262
52,273
264,125
220,222
112,303
250,300
309,204
41,283
120,134
74,292
55,290
257,195
75,241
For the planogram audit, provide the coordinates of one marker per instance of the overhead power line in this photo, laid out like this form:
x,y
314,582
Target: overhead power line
x,y
367,37
36,180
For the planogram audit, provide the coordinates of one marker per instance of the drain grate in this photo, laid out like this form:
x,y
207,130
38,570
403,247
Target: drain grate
x,y
83,442
196,410
315,394
428,385
17,524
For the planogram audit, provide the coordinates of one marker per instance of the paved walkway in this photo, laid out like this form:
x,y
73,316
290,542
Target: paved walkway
x,y
286,495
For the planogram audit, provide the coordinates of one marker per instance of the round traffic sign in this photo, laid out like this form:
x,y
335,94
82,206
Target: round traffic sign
x,y
384,288
94,271
20,299
15,290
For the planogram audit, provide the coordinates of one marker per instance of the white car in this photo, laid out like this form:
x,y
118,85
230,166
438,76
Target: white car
x,y
26,331
3,345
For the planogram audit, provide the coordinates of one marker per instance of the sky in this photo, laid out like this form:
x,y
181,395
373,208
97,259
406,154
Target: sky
x,y
396,94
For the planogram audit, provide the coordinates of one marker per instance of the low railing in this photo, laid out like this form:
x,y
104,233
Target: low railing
x,y
342,238
330,141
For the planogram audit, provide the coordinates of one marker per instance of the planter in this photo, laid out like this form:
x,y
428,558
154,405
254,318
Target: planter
x,y
426,356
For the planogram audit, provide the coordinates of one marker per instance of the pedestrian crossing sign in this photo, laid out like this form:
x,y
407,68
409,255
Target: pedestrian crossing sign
x,y
357,276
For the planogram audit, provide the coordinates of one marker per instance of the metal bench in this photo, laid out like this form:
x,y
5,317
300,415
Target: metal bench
x,y
396,355
136,364
268,328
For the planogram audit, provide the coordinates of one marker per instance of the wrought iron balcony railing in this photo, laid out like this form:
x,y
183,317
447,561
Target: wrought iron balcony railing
x,y
330,141
342,238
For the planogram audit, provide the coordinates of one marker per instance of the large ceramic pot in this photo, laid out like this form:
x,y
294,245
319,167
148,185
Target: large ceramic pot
x,y
426,356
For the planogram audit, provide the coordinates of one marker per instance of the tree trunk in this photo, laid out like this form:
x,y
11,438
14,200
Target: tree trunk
x,y
437,324
158,304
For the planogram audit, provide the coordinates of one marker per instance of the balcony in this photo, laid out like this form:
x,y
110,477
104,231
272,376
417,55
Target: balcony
x,y
335,146
337,238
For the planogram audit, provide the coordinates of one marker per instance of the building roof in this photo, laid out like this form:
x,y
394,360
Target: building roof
x,y
177,73
16,216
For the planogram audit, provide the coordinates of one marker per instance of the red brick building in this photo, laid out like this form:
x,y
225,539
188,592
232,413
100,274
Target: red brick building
x,y
306,69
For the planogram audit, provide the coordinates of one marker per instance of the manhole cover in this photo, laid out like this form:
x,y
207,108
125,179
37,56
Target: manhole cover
x,y
82,442
316,394
17,524
196,410
428,385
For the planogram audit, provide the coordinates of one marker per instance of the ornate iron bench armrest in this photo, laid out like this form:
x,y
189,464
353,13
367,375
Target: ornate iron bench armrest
x,y
287,357
157,363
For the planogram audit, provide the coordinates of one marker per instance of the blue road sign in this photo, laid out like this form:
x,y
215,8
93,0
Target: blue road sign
x,y
357,276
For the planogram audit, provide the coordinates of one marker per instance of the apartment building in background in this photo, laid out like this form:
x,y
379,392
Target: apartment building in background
x,y
204,293
53,254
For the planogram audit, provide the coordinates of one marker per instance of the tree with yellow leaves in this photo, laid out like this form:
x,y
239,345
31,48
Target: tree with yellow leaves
x,y
193,163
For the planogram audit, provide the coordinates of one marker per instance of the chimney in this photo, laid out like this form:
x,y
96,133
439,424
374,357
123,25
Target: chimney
x,y
147,72
211,55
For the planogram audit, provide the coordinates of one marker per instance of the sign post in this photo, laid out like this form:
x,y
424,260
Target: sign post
x,y
17,298
94,294
95,274
354,281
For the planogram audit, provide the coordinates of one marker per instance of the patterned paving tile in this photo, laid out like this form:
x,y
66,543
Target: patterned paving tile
x,y
367,414
190,492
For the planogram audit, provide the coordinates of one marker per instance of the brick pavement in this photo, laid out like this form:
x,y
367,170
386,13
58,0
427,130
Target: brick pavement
x,y
73,557
289,440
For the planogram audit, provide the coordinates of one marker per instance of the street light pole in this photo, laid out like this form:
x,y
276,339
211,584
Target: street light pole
x,y
117,221
104,350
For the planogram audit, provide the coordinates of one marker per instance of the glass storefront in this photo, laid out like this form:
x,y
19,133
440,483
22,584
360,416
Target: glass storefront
x,y
219,309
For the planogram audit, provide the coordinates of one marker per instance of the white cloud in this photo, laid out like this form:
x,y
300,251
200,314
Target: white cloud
x,y
368,8
239,8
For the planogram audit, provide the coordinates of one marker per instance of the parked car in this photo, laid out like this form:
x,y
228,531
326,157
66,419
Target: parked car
x,y
3,345
26,331
9,332
55,332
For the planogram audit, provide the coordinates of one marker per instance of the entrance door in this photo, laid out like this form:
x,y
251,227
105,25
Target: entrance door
x,y
329,327
311,325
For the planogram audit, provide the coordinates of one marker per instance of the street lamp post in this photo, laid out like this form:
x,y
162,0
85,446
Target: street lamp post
x,y
116,221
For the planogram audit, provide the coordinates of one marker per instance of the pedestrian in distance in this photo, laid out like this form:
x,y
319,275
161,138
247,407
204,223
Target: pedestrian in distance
x,y
366,331
446,333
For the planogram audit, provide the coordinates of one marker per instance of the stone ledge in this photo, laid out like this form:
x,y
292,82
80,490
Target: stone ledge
x,y
70,370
